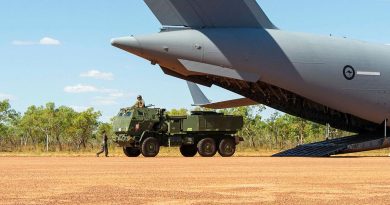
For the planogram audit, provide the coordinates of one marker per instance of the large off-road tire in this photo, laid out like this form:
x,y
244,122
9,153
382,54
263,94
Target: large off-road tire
x,y
227,147
150,147
131,151
206,147
188,150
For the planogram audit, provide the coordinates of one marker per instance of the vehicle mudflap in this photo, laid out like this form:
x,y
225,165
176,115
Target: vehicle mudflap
x,y
238,139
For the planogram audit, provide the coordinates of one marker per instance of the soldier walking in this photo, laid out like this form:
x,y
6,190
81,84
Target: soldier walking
x,y
104,145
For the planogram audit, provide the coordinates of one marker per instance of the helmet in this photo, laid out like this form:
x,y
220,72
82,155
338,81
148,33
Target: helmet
x,y
139,97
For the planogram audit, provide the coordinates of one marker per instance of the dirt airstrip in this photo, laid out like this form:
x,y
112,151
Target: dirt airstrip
x,y
177,180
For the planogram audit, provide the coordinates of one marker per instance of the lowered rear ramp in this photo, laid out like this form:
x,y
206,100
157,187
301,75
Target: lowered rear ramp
x,y
356,143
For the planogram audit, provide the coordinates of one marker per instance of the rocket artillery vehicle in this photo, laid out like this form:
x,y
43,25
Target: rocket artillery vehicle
x,y
144,130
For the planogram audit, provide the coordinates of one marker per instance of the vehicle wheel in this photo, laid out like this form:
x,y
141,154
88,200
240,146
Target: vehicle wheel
x,y
131,151
150,147
227,147
206,147
188,150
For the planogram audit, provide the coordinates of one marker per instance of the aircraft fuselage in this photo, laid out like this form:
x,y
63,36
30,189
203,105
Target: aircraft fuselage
x,y
346,75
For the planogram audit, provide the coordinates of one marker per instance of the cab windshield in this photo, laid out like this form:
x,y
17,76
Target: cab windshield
x,y
125,114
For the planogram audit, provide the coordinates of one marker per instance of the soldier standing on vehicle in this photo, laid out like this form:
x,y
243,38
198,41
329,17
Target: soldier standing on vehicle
x,y
104,145
140,103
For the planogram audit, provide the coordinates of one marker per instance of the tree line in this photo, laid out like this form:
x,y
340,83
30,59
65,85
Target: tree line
x,y
51,128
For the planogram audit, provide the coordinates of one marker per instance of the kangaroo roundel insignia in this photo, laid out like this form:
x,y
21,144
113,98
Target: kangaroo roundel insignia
x,y
349,72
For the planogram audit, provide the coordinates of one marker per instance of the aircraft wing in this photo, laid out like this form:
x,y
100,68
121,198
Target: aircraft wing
x,y
210,13
201,100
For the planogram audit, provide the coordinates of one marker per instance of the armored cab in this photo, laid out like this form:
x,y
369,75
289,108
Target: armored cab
x,y
144,130
132,123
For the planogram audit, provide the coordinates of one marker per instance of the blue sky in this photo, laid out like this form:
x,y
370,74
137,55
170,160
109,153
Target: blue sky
x,y
59,51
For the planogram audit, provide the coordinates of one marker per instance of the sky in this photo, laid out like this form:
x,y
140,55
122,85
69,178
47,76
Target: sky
x,y
59,51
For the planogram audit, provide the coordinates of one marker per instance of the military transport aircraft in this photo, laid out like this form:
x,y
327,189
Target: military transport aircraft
x,y
233,44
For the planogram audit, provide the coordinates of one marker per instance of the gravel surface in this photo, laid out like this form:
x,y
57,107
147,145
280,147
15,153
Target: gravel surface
x,y
177,180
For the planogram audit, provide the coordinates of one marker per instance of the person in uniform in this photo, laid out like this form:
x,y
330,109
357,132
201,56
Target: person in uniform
x,y
140,103
104,145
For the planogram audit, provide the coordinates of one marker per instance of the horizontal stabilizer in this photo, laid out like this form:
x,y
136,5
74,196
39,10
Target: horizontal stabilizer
x,y
219,71
210,13
201,100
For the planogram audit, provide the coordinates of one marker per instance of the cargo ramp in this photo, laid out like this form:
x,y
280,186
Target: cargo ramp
x,y
355,143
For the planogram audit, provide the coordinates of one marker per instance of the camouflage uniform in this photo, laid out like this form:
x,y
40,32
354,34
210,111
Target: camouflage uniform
x,y
104,146
140,103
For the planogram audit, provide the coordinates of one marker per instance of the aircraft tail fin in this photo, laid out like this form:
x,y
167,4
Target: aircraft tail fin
x,y
202,101
210,13
197,95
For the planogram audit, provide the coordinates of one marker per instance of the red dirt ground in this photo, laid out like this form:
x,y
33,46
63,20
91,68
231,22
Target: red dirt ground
x,y
177,180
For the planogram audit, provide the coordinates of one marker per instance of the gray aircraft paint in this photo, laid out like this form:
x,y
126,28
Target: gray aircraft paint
x,y
308,65
215,13
197,94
